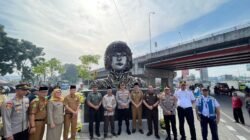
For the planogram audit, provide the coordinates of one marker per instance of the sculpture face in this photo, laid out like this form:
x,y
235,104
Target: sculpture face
x,y
119,61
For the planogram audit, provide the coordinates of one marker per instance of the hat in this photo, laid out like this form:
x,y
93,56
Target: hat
x,y
43,88
94,86
33,90
22,86
166,88
72,87
109,87
182,83
136,84
204,89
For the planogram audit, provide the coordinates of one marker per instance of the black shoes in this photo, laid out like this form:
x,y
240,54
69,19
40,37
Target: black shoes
x,y
133,130
98,135
128,131
114,134
105,135
149,133
119,131
141,131
157,136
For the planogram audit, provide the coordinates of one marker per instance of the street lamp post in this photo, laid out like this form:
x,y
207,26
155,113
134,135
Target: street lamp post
x,y
150,31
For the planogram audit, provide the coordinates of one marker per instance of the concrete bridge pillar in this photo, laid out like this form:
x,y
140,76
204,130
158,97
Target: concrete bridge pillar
x,y
167,77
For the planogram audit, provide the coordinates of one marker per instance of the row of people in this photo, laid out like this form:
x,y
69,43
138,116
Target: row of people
x,y
26,121
18,124
207,110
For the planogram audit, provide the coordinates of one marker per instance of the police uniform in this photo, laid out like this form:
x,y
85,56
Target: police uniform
x,y
73,102
15,116
136,97
38,108
152,115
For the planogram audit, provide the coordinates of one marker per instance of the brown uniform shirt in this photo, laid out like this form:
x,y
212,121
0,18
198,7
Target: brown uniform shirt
x,y
72,101
136,96
38,107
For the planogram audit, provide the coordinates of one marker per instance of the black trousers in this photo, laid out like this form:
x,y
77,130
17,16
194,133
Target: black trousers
x,y
109,120
94,116
24,135
238,115
170,119
123,114
152,117
213,127
188,114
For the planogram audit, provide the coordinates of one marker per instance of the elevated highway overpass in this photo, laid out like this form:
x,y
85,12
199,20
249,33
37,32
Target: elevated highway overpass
x,y
227,47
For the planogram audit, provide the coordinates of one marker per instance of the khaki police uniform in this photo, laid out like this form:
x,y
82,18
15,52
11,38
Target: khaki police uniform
x,y
15,118
136,97
38,107
73,102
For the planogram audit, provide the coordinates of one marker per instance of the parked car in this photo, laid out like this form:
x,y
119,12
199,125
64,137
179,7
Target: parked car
x,y
222,88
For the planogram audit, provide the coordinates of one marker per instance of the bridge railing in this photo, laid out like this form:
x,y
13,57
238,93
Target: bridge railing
x,y
227,30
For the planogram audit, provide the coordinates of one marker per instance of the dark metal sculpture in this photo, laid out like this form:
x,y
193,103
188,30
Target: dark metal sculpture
x,y
118,61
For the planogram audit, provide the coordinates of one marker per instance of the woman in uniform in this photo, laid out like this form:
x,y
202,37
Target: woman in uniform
x,y
55,115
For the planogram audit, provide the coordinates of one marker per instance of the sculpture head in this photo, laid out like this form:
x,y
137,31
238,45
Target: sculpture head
x,y
118,57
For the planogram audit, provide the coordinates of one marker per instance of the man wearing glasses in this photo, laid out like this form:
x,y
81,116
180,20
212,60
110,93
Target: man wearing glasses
x,y
185,99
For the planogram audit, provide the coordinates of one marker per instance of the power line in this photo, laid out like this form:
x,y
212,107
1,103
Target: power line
x,y
120,18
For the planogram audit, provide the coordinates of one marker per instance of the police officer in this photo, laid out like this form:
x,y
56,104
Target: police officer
x,y
136,100
208,112
72,104
15,115
2,100
38,114
151,102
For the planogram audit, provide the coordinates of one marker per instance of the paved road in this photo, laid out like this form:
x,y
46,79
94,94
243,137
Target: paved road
x,y
228,130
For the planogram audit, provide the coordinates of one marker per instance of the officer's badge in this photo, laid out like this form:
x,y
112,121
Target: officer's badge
x,y
9,105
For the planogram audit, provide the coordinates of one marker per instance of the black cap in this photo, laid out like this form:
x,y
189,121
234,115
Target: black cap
x,y
22,86
109,87
136,84
43,88
94,86
33,90
72,87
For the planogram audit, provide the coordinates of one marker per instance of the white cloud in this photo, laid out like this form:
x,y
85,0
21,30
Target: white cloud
x,y
70,28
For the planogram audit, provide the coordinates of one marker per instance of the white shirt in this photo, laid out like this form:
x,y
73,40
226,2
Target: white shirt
x,y
108,102
205,111
184,98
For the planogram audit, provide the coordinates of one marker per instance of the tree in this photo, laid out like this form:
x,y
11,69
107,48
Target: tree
x,y
7,52
54,67
41,71
70,73
20,55
28,55
84,68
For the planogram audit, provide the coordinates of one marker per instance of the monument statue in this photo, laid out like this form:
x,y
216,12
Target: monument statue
x,y
118,61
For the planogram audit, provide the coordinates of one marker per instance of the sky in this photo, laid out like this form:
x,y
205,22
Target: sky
x,y
67,29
